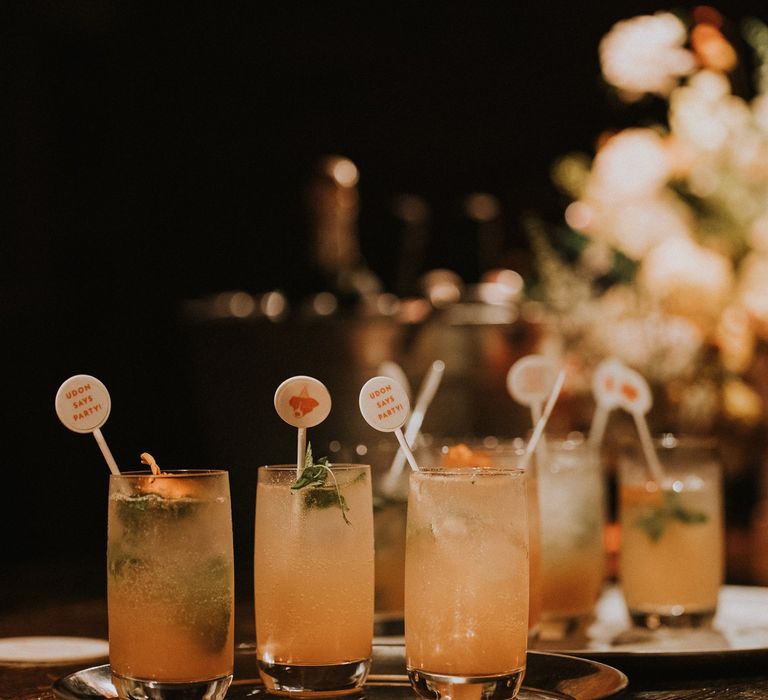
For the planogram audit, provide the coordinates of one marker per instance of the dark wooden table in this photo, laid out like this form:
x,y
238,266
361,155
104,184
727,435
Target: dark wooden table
x,y
87,618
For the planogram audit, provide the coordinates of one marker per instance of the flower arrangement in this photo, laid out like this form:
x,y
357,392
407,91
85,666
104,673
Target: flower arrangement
x,y
662,260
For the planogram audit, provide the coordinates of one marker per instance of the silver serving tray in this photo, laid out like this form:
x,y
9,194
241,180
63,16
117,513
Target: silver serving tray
x,y
736,644
547,676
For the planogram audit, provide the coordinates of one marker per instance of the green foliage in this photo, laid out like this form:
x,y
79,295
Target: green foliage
x,y
313,477
654,521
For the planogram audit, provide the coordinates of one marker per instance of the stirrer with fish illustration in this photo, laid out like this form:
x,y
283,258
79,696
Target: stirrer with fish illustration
x,y
606,389
302,402
634,396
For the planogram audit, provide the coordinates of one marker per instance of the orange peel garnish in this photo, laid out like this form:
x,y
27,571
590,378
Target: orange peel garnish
x,y
462,455
149,460
165,487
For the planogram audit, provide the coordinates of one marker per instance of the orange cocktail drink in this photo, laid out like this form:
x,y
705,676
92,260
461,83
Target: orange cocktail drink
x,y
466,582
671,556
313,580
507,455
170,582
572,508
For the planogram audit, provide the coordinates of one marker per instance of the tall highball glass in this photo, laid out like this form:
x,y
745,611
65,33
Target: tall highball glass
x,y
671,560
313,581
572,508
466,582
501,454
170,585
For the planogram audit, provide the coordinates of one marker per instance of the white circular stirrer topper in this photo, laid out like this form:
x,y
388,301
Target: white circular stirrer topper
x,y
634,392
606,382
83,403
384,404
302,402
531,378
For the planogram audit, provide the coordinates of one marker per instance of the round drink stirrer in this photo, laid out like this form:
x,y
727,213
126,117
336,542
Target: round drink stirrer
x,y
529,382
427,391
634,396
83,406
538,430
302,402
385,407
605,388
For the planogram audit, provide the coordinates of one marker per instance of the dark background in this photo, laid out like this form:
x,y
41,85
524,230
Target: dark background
x,y
157,152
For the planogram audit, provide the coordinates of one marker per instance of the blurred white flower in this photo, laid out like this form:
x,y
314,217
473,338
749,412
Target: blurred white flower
x,y
597,258
659,346
672,276
758,233
705,113
646,54
635,227
626,201
736,339
687,281
753,285
760,112
631,164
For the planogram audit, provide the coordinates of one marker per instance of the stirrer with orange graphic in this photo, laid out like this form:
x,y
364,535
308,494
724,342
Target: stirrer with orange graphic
x,y
606,382
302,402
634,396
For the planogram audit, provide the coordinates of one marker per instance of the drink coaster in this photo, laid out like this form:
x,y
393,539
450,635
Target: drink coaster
x,y
51,650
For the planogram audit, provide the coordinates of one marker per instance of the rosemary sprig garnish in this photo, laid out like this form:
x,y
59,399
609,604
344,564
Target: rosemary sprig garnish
x,y
313,477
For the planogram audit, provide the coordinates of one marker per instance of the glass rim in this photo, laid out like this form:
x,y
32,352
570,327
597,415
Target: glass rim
x,y
469,470
669,440
340,466
571,439
510,448
168,473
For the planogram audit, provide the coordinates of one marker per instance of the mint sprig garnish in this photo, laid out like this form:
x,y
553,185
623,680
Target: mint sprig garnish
x,y
314,476
654,521
205,603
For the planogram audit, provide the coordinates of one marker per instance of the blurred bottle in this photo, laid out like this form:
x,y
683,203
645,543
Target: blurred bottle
x,y
413,214
340,273
396,242
477,240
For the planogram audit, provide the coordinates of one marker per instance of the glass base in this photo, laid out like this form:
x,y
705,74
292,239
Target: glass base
x,y
434,686
672,618
314,680
138,689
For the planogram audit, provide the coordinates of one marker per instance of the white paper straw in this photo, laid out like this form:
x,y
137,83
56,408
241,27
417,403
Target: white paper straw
x,y
427,392
406,449
542,422
541,448
392,369
651,458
